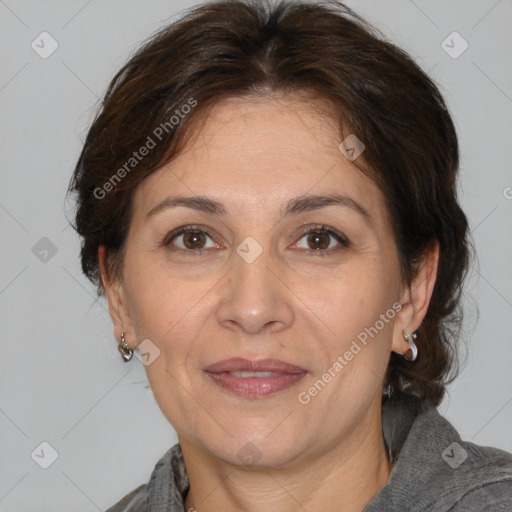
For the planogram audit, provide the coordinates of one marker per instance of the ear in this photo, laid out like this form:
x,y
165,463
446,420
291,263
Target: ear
x,y
415,299
117,304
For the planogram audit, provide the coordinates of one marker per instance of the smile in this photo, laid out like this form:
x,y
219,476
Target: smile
x,y
254,379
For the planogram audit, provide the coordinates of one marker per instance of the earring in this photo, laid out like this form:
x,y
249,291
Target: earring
x,y
124,349
412,353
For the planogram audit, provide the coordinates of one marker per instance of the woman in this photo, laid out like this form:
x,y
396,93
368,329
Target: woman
x,y
268,201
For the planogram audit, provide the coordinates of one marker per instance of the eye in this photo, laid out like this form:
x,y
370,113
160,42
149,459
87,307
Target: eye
x,y
322,239
189,239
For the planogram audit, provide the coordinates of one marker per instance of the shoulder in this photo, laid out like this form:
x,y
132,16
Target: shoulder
x,y
490,497
485,478
468,476
132,502
474,476
436,469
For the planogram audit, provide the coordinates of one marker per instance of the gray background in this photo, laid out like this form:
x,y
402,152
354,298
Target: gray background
x,y
61,378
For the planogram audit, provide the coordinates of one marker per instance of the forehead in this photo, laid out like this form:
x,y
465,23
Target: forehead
x,y
262,149
293,119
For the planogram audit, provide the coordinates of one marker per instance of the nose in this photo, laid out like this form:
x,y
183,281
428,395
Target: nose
x,y
255,298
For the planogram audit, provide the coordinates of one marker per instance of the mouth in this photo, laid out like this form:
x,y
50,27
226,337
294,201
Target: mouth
x,y
254,379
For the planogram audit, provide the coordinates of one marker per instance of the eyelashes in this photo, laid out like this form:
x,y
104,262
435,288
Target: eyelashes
x,y
190,235
319,236
194,240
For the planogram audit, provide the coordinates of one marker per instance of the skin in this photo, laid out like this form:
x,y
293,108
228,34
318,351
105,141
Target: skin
x,y
254,155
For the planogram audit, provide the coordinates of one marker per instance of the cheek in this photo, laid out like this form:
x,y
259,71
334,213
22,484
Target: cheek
x,y
354,360
357,306
151,292
353,298
170,312
168,309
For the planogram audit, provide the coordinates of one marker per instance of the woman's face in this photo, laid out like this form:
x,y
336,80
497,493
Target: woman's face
x,y
263,241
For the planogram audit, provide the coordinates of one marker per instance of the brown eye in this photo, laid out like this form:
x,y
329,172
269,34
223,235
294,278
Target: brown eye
x,y
322,240
194,240
190,239
318,240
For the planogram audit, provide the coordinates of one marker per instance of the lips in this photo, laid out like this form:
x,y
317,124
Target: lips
x,y
239,364
254,379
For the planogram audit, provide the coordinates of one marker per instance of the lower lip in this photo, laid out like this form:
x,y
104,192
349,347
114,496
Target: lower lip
x,y
255,387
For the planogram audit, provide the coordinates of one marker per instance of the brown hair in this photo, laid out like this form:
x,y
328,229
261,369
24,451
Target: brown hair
x,y
238,48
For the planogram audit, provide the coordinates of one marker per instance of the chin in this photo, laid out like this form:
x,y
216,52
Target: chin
x,y
249,449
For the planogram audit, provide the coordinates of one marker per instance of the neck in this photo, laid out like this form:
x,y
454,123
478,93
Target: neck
x,y
345,478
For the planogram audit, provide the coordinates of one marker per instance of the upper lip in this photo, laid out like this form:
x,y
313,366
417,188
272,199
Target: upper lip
x,y
261,365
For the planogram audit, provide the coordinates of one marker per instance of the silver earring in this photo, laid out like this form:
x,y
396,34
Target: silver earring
x,y
124,349
412,353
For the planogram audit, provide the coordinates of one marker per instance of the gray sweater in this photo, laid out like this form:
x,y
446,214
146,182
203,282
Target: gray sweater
x,y
434,470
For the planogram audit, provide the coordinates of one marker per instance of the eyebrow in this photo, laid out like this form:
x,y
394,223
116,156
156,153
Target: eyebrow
x,y
311,203
294,207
